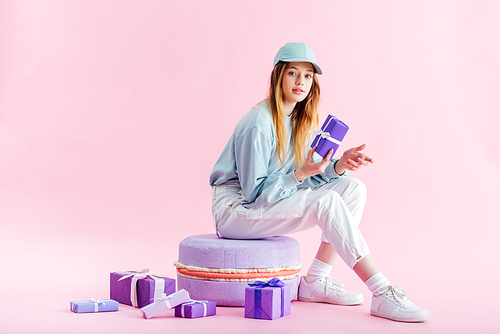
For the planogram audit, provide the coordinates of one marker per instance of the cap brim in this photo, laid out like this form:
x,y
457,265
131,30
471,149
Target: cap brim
x,y
317,69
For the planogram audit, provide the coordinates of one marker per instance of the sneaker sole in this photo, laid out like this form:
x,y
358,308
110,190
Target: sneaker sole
x,y
420,318
328,301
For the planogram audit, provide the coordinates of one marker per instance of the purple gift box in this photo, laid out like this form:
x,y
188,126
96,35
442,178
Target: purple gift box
x,y
166,303
139,288
195,309
330,136
94,305
267,300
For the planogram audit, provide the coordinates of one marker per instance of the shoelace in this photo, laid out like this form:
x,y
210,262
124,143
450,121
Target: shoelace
x,y
399,294
333,281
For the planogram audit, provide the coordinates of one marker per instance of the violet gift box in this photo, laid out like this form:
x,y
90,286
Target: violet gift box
x,y
268,302
146,287
196,309
166,303
94,305
334,131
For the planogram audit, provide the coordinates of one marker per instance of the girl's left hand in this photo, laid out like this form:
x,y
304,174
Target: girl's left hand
x,y
352,160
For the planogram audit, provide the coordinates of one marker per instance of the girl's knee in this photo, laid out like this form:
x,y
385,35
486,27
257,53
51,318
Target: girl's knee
x,y
353,187
358,186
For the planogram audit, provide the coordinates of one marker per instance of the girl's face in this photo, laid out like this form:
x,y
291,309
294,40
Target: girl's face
x,y
297,82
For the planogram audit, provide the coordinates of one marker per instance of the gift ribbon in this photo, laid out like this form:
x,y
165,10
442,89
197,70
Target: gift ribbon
x,y
193,302
96,303
166,298
159,284
259,285
324,135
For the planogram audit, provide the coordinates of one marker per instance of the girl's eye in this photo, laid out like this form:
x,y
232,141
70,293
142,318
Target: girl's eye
x,y
308,76
291,73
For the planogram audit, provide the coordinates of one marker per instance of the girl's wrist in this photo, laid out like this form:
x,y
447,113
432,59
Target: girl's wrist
x,y
298,175
339,170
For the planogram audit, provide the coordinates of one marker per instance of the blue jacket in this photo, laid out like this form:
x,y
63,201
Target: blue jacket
x,y
249,159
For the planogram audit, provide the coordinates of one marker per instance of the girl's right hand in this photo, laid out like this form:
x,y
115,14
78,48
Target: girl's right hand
x,y
310,168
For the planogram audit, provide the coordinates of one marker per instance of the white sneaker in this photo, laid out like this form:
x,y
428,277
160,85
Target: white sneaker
x,y
327,290
393,304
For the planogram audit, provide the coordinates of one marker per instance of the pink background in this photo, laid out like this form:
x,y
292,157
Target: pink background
x,y
113,113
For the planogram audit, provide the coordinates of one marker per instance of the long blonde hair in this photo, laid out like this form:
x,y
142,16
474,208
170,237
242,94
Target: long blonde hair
x,y
304,116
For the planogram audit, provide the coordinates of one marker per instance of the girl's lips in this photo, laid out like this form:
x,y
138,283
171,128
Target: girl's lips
x,y
297,91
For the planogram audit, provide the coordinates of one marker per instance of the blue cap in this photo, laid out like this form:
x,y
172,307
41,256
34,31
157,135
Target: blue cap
x,y
297,52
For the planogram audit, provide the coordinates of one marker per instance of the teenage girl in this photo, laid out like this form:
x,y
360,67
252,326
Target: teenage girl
x,y
266,184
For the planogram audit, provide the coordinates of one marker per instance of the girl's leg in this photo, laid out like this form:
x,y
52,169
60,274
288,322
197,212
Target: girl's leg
x,y
340,206
387,301
338,217
317,285
353,193
326,253
365,268
322,263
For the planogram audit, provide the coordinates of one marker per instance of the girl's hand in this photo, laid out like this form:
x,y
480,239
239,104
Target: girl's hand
x,y
352,160
310,168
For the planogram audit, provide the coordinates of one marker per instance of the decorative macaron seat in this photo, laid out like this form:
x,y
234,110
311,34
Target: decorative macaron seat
x,y
218,269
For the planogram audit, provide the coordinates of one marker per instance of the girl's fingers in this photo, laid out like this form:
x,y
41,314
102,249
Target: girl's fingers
x,y
352,163
311,152
356,153
363,162
329,155
356,163
352,167
366,158
361,147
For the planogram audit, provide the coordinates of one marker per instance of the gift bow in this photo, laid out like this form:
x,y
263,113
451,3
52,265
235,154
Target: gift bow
x,y
141,274
159,284
275,282
166,298
96,302
259,285
192,302
325,135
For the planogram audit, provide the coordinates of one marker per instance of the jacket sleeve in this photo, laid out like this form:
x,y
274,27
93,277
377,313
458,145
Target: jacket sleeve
x,y
253,152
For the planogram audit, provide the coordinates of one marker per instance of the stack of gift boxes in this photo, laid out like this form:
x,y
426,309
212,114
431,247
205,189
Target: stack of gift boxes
x,y
154,293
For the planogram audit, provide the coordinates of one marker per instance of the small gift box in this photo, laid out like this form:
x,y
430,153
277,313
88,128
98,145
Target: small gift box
x,y
94,305
330,136
195,309
165,303
141,288
269,300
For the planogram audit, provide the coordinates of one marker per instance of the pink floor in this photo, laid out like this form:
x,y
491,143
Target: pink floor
x,y
43,270
42,307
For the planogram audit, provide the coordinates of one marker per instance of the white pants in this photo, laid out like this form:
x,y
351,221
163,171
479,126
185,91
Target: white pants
x,y
335,207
